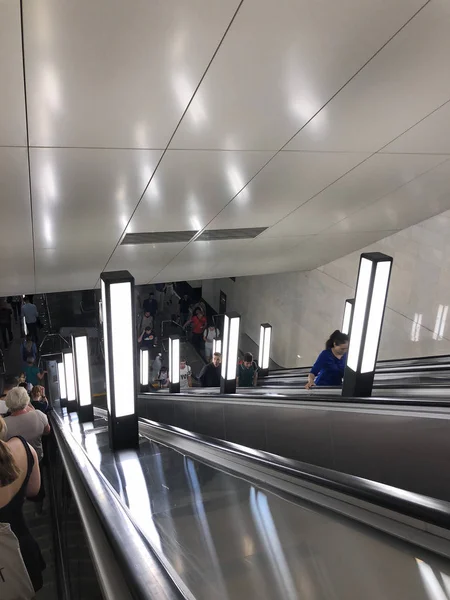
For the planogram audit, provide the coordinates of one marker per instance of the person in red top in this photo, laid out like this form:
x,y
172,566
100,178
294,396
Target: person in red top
x,y
198,322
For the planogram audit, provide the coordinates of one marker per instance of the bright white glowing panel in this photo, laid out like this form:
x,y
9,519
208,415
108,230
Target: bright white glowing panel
x,y
25,328
415,329
226,327
362,291
62,381
174,361
70,376
217,346
144,366
82,370
261,344
105,345
380,288
266,347
232,348
347,316
121,320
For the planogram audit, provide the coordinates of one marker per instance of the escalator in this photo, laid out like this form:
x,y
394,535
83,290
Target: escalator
x,y
379,437
229,523
92,551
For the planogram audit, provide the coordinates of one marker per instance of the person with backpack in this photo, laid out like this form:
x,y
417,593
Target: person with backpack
x,y
209,335
247,372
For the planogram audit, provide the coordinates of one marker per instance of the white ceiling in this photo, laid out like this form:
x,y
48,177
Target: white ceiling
x,y
327,122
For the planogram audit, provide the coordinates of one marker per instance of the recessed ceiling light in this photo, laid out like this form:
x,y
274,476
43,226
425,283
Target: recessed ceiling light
x,y
298,356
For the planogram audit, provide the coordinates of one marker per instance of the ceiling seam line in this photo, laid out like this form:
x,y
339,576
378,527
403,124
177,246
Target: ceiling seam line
x,y
383,196
176,129
303,126
27,131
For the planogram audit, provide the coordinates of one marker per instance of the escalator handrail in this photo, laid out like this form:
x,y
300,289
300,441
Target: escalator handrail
x,y
312,397
381,363
411,504
146,577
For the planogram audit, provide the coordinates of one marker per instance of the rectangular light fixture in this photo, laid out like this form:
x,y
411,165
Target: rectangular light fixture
x,y
24,325
144,365
230,344
265,337
217,346
370,303
174,364
70,380
80,347
62,383
348,314
120,357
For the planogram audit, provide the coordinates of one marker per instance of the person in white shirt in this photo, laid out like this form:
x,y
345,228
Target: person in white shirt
x,y
185,375
9,382
209,335
30,312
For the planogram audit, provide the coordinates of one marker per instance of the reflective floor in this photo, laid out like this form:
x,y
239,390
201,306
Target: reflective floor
x,y
227,539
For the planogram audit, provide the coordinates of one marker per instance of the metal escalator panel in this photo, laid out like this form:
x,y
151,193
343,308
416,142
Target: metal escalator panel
x,y
227,537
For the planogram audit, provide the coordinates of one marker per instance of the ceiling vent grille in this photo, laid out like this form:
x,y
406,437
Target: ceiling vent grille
x,y
230,234
158,237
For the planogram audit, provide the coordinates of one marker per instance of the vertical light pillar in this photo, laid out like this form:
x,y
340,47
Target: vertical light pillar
x,y
80,347
120,357
348,316
370,302
144,366
24,326
69,374
217,346
265,338
230,344
174,364
62,383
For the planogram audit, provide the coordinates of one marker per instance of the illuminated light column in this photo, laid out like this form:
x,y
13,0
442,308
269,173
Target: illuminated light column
x,y
265,338
174,364
217,346
62,383
80,347
70,380
120,358
348,316
370,303
144,365
230,343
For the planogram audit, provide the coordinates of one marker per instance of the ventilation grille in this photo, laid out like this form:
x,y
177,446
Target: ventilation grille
x,y
158,237
230,234
168,237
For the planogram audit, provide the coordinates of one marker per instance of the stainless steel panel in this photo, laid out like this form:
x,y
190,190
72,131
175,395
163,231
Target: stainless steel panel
x,y
394,446
227,539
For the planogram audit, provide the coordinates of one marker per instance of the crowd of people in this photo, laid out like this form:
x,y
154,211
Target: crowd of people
x,y
23,427
202,334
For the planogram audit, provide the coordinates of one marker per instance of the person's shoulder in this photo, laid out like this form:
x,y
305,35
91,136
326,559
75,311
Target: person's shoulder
x,y
40,416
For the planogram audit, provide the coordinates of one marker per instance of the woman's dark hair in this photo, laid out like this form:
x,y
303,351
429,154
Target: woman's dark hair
x,y
337,338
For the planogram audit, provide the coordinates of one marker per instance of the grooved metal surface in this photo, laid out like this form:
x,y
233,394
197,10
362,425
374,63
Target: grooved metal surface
x,y
230,234
157,237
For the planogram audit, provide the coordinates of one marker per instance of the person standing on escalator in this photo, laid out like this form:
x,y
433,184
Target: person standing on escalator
x,y
30,312
198,322
330,364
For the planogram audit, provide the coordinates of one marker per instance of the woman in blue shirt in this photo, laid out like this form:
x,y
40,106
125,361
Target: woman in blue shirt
x,y
330,364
